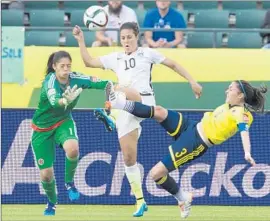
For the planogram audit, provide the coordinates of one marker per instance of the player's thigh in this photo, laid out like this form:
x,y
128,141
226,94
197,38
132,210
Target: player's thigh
x,y
66,131
126,123
128,144
189,146
43,146
131,94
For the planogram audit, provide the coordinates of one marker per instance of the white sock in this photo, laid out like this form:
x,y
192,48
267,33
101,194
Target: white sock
x,y
118,100
134,177
181,195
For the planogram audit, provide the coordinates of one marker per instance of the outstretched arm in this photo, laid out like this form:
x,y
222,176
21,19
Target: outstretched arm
x,y
197,88
247,147
87,59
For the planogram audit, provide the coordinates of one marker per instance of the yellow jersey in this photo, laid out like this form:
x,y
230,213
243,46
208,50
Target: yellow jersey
x,y
222,123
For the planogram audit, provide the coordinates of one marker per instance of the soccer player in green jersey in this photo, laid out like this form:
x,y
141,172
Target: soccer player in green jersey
x,y
53,123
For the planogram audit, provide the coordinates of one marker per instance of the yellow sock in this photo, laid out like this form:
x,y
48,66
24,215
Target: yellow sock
x,y
114,113
134,177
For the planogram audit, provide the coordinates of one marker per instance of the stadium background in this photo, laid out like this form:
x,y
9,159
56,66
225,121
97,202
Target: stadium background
x,y
221,177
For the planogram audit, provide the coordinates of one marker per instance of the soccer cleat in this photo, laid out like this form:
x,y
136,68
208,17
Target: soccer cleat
x,y
50,209
108,121
185,207
73,193
140,210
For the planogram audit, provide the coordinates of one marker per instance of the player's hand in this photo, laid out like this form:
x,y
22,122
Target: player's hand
x,y
78,33
197,89
71,94
249,159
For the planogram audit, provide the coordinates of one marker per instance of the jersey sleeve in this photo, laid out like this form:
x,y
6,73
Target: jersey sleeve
x,y
180,21
147,23
53,91
109,61
155,56
87,82
242,118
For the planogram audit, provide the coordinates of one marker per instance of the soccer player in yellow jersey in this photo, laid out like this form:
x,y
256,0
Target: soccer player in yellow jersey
x,y
192,139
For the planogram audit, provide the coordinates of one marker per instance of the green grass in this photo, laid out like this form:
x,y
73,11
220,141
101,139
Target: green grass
x,y
155,213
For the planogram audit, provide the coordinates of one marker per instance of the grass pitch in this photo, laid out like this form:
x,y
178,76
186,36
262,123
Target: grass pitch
x,y
119,213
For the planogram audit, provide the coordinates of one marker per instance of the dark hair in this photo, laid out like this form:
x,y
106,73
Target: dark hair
x,y
132,26
54,58
254,97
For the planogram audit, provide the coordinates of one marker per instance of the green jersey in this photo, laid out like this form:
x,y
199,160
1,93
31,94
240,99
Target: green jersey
x,y
49,112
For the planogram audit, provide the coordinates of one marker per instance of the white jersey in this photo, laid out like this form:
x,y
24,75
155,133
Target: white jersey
x,y
133,70
115,21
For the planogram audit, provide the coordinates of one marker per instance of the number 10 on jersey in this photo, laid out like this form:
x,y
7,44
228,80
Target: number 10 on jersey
x,y
130,63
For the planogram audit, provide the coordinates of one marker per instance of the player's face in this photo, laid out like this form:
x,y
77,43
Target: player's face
x,y
163,5
129,40
233,94
62,67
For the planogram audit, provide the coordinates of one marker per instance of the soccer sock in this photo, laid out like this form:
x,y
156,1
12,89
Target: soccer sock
x,y
50,190
134,177
181,195
70,168
114,114
171,123
168,184
138,109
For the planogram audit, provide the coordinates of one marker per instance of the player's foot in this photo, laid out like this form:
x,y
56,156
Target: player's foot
x,y
117,101
108,121
140,210
185,206
73,193
50,209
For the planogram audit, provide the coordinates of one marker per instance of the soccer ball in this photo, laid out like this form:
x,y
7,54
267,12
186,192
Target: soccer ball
x,y
95,17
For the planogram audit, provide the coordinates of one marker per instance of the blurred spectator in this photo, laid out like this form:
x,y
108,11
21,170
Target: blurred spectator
x,y
164,17
16,5
266,36
118,14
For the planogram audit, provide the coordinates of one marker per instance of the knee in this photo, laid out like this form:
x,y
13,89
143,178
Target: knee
x,y
46,175
160,113
129,159
71,148
154,173
73,152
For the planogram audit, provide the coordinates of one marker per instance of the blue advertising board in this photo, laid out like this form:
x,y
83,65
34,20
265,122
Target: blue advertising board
x,y
220,177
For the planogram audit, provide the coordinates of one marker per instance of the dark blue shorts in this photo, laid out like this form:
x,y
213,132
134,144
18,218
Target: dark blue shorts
x,y
187,146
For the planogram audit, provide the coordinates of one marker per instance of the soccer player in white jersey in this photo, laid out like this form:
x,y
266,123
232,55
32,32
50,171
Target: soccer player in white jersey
x,y
133,68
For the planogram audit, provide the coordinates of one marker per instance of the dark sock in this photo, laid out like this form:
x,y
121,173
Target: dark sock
x,y
168,184
172,122
139,110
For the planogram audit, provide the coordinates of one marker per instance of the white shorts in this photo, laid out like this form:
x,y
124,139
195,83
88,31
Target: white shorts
x,y
126,122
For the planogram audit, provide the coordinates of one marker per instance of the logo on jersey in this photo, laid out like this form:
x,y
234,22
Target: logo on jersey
x,y
40,161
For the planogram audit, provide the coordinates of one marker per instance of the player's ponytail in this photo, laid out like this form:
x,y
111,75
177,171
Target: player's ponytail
x,y
132,26
254,97
54,58
49,67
